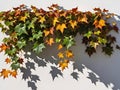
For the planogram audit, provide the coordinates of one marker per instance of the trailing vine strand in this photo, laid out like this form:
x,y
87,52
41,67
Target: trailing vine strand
x,y
43,28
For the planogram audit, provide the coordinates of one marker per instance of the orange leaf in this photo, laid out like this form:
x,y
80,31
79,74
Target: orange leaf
x,y
69,54
13,73
5,73
99,24
63,64
73,23
60,55
61,27
84,19
3,47
50,41
52,30
60,46
7,60
46,32
17,12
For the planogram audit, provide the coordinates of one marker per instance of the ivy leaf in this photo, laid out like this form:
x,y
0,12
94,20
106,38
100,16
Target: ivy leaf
x,y
60,55
42,25
68,42
90,50
11,51
63,64
8,23
5,73
69,54
38,35
108,49
7,60
21,44
31,24
61,27
15,65
42,19
20,29
60,46
73,23
57,40
55,20
46,32
94,44
88,34
38,47
13,73
97,32
102,40
23,18
99,24
50,41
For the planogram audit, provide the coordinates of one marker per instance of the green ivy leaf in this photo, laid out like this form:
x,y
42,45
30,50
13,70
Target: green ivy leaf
x,y
20,29
97,32
57,40
8,23
21,44
42,25
68,42
108,49
102,40
31,24
38,35
38,47
11,51
88,34
15,66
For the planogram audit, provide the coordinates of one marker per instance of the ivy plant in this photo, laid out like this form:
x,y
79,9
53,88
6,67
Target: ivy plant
x,y
42,28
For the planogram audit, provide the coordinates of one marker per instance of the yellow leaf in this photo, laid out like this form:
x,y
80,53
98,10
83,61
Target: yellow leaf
x,y
7,60
63,64
5,73
73,23
50,41
46,32
55,21
60,55
61,27
94,44
84,19
23,18
42,19
69,54
60,46
13,73
97,32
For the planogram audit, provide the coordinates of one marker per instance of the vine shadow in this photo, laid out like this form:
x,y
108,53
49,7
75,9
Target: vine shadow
x,y
102,68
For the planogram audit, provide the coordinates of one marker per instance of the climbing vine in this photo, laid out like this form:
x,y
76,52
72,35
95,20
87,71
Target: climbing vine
x,y
42,28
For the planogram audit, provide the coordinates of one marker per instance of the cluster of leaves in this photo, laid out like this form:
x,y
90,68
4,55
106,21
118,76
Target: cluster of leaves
x,y
42,28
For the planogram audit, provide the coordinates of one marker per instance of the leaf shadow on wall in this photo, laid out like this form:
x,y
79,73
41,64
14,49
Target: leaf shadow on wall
x,y
102,68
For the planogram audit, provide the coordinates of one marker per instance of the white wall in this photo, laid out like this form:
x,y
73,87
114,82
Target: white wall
x,y
99,72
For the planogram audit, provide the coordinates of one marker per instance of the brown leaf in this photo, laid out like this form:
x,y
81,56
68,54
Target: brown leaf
x,y
7,60
13,73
